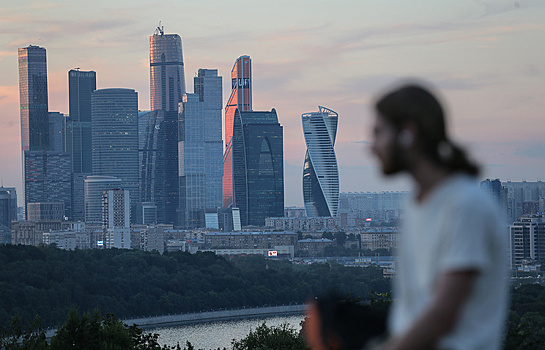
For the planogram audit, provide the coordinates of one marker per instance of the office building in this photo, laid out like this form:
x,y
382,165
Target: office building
x,y
33,98
357,209
94,188
258,166
320,171
167,86
45,212
46,168
151,145
241,99
116,215
208,86
8,206
78,139
47,178
57,132
200,150
115,137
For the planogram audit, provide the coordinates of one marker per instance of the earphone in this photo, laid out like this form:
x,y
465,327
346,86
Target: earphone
x,y
405,138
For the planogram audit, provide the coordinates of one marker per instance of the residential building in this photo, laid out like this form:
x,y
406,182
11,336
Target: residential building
x,y
375,239
320,171
116,215
304,224
312,247
231,243
524,192
527,241
167,86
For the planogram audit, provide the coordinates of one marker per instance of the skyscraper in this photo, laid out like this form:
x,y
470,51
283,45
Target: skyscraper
x,y
33,98
167,86
81,84
47,178
78,139
115,136
208,86
57,132
320,171
45,169
241,99
200,148
258,166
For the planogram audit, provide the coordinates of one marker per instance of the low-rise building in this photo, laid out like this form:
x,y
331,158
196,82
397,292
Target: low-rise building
x,y
374,239
312,247
303,224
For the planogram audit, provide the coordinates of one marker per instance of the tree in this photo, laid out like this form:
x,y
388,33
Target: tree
x,y
271,338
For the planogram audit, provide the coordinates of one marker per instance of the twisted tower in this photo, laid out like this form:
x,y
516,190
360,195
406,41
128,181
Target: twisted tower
x,y
320,171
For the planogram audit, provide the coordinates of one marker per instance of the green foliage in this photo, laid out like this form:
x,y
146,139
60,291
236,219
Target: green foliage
x,y
271,338
526,327
48,282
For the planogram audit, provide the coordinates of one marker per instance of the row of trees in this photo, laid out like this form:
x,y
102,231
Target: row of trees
x,y
47,282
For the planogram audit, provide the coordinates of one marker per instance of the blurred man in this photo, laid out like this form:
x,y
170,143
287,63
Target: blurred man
x,y
451,288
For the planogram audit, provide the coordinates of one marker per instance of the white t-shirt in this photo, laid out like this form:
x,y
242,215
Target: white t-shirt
x,y
456,228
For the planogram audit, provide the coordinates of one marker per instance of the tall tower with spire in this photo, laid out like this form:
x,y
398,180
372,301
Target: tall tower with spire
x,y
167,86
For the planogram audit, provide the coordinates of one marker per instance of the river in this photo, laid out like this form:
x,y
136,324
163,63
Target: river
x,y
219,334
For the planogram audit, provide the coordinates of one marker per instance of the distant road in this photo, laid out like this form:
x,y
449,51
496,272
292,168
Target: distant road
x,y
208,316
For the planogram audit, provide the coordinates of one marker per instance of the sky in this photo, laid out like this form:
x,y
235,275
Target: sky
x,y
485,58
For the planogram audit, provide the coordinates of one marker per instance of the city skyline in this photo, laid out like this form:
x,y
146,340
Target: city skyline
x,y
485,58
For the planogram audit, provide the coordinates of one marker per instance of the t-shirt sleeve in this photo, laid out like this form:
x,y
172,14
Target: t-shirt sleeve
x,y
466,241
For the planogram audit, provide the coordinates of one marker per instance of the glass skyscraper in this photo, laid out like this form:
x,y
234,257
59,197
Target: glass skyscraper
x,y
258,166
320,171
78,139
241,99
78,142
33,98
115,136
46,169
167,86
200,146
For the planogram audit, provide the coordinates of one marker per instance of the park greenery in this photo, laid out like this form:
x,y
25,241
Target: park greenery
x,y
45,286
48,282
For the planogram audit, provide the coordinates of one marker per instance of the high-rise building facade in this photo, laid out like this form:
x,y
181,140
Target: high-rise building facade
x,y
8,206
33,98
241,99
200,150
94,188
258,166
57,132
47,178
527,241
46,168
116,218
115,136
81,84
320,171
167,86
208,86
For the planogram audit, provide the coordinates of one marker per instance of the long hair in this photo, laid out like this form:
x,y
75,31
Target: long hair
x,y
414,104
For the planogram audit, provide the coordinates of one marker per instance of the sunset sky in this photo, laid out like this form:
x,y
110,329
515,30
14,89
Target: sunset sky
x,y
487,58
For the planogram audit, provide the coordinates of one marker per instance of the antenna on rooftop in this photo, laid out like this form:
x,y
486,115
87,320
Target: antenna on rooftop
x,y
159,30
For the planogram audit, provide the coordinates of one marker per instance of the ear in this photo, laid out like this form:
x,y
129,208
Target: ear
x,y
405,137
